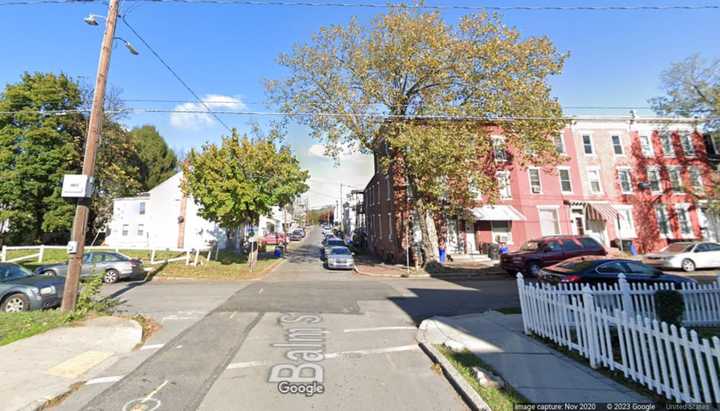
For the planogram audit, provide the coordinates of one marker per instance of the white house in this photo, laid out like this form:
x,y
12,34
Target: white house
x,y
162,218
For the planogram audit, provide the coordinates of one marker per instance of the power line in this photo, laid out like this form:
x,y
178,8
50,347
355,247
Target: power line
x,y
175,74
378,116
620,8
174,100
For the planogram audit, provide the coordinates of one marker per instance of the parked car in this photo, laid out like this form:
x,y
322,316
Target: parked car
x,y
686,256
113,266
601,270
329,244
23,290
340,258
545,251
274,239
295,236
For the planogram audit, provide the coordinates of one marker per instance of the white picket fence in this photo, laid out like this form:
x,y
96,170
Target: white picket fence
x,y
190,256
702,301
669,360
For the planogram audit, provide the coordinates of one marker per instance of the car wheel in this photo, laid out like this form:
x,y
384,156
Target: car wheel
x,y
688,265
16,303
111,276
533,269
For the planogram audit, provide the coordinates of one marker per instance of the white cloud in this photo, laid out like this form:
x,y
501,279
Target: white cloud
x,y
202,118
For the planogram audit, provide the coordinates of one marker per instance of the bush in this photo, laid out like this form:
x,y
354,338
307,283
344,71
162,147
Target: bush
x,y
90,300
669,305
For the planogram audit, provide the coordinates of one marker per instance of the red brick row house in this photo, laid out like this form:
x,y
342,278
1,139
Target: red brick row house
x,y
628,182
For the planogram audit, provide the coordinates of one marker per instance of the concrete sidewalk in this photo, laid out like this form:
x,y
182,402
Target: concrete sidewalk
x,y
538,372
42,367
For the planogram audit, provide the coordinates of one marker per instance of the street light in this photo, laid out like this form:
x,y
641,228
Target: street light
x,y
129,46
91,20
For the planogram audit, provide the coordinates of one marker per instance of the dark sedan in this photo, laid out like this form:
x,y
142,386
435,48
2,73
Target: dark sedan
x,y
600,270
21,290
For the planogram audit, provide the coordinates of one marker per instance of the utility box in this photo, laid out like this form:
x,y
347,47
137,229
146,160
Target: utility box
x,y
77,186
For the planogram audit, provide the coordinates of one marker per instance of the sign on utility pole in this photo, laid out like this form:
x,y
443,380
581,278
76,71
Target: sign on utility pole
x,y
72,280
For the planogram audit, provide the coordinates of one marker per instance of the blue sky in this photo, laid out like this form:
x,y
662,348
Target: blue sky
x,y
226,51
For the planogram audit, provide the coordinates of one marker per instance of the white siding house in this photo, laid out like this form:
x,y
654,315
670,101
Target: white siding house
x,y
156,220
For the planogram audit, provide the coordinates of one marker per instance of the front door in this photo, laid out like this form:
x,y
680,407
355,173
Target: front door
x,y
470,237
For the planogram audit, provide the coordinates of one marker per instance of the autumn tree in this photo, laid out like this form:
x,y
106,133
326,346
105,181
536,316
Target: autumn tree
x,y
423,94
241,179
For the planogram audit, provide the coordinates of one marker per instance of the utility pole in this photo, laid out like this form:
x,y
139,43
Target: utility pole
x,y
72,280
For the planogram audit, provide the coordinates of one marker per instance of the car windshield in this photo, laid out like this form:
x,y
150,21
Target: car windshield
x,y
9,272
678,248
340,251
332,243
530,246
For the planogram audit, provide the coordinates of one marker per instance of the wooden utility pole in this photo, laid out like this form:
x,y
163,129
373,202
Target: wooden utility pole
x,y
72,280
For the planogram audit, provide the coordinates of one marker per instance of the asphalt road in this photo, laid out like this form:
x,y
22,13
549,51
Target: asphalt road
x,y
229,346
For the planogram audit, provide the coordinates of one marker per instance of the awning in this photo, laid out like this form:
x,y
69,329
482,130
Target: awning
x,y
497,213
598,211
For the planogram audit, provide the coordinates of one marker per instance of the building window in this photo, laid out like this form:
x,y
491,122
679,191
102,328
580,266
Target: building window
x,y
535,184
617,146
499,148
667,146
594,179
141,230
681,210
387,186
503,180
142,208
501,231
687,144
587,144
646,146
125,230
549,222
653,175
565,183
696,180
675,179
625,180
625,224
559,144
390,227
662,221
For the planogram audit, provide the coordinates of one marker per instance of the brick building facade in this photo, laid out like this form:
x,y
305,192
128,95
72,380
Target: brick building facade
x,y
628,182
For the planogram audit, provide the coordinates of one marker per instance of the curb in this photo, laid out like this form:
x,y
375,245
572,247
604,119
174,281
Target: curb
x,y
462,387
490,277
390,275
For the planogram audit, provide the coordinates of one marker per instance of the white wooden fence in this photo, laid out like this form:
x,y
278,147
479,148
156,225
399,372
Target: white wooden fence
x,y
190,256
671,361
702,301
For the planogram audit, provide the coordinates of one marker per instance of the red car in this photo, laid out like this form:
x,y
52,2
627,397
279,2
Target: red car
x,y
545,251
274,239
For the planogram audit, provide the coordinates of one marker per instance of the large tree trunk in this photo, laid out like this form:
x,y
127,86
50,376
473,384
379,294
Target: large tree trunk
x,y
428,242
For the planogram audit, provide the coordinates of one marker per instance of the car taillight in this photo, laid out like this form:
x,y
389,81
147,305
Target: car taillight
x,y
570,279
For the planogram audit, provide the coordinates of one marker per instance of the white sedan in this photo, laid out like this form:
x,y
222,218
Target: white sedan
x,y
686,255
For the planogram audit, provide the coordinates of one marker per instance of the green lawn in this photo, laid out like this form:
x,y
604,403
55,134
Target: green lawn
x,y
227,266
14,326
497,399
